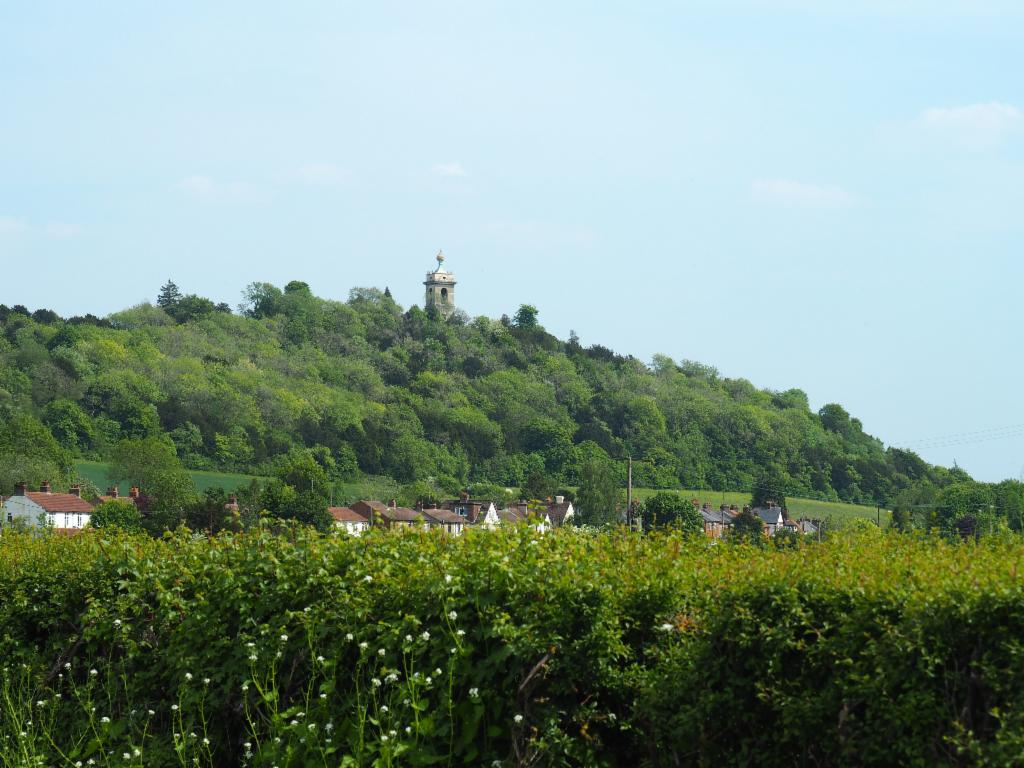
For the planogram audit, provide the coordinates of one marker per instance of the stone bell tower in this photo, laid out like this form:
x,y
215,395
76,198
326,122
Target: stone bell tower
x,y
440,288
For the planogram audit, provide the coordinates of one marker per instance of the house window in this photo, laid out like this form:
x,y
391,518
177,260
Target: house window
x,y
461,511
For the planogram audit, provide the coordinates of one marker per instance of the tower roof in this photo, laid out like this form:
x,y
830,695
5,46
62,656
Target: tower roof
x,y
440,275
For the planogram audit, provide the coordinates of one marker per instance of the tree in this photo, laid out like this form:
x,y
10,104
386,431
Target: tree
x,y
599,493
169,296
116,513
526,317
770,486
671,509
537,485
28,453
747,528
152,465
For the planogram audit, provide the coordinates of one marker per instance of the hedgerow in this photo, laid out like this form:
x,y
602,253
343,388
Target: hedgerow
x,y
508,648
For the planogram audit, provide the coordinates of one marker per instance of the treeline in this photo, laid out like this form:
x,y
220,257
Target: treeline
x,y
365,387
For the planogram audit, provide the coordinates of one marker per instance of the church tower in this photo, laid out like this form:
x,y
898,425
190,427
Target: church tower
x,y
440,288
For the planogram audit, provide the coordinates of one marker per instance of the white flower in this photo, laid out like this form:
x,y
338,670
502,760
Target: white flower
x,y
392,678
408,729
284,638
126,755
474,692
381,652
447,578
376,682
453,615
329,727
323,696
666,627
367,578
188,675
174,707
206,741
408,638
437,672
312,726
104,719
320,659
429,680
206,681
349,637
250,645
392,733
425,635
93,672
293,723
384,708
518,719
67,665
461,632
383,738
253,657
453,651
137,752
245,687
117,623
364,645
150,712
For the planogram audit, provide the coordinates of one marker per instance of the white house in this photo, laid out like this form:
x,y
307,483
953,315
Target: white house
x,y
490,520
772,518
348,520
60,511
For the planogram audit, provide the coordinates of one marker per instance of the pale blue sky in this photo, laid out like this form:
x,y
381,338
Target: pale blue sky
x,y
806,194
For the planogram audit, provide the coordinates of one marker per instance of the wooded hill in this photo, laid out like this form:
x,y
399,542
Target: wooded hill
x,y
369,387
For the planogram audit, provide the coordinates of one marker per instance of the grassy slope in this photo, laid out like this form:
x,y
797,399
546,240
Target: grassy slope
x,y
384,488
836,511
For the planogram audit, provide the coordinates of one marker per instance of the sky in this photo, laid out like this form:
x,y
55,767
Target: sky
x,y
820,195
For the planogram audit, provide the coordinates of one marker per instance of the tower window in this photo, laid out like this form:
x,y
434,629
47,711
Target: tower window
x,y
444,294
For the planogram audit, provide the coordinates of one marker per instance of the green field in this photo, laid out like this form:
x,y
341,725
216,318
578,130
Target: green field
x,y
835,511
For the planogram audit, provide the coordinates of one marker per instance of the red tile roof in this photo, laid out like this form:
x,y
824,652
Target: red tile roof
x,y
346,515
59,502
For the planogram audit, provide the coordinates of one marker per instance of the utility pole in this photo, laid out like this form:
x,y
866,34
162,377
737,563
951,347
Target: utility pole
x,y
629,493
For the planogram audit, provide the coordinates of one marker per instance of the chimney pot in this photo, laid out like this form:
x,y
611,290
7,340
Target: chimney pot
x,y
559,499
464,496
75,490
21,489
393,503
133,492
44,487
233,498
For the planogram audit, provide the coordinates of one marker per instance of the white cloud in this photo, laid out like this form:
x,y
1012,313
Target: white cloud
x,y
975,124
802,193
209,190
322,173
450,169
9,225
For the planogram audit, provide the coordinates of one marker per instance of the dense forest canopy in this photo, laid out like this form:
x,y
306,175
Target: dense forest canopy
x,y
366,387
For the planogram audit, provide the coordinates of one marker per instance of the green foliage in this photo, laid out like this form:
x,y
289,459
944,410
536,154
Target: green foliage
x,y
376,390
152,465
747,528
116,513
600,492
671,509
417,649
29,453
770,488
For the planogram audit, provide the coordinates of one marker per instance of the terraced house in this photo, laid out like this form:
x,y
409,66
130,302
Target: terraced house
x,y
63,512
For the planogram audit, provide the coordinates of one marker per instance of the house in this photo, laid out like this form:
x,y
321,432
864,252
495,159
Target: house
x,y
520,512
388,515
490,520
717,521
465,507
772,517
809,527
113,493
560,511
348,520
64,512
450,522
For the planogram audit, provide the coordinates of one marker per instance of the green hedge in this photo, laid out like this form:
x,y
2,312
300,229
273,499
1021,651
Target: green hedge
x,y
508,648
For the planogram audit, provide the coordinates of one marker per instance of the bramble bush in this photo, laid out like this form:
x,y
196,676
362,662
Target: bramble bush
x,y
290,648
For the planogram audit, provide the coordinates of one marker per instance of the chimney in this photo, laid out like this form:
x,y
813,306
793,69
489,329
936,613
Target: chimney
x,y
75,490
393,504
559,499
233,500
464,496
21,488
112,492
133,492
418,506
44,487
522,507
